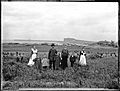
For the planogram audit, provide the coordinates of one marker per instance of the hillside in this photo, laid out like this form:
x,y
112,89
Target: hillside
x,y
65,41
78,42
105,44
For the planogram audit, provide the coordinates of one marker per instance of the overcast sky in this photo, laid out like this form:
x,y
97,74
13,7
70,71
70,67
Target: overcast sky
x,y
58,20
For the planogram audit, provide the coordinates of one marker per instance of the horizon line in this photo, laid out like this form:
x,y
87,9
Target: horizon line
x,y
51,40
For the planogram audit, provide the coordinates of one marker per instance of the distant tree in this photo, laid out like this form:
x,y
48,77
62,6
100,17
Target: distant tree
x,y
44,44
112,43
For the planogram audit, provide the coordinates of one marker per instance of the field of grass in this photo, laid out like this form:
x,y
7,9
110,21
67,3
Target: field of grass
x,y
99,72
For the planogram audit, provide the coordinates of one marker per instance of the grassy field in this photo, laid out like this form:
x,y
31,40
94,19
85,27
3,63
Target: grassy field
x,y
99,72
26,48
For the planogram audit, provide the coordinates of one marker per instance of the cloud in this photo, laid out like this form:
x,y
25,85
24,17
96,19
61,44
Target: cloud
x,y
55,21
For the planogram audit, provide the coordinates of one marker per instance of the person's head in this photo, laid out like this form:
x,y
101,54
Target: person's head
x,y
52,45
83,50
65,47
72,53
34,47
44,55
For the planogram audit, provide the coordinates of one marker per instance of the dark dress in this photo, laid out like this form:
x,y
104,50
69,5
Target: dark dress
x,y
72,59
64,55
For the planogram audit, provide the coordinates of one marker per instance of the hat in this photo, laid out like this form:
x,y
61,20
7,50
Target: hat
x,y
52,44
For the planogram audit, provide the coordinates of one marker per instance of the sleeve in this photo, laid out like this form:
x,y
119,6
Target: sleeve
x,y
62,53
31,53
55,51
67,52
42,61
79,55
49,54
37,51
70,58
85,54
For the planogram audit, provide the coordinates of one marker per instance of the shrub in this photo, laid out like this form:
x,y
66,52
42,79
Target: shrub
x,y
94,56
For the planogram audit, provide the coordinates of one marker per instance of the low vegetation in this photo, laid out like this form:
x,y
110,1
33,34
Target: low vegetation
x,y
99,73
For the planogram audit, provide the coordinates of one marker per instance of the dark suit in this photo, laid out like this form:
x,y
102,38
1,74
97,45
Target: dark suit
x,y
51,56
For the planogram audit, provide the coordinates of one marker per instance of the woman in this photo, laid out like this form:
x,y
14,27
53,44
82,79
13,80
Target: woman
x,y
64,56
33,56
82,60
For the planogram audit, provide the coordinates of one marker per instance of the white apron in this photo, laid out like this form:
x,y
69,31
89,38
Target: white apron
x,y
34,55
82,60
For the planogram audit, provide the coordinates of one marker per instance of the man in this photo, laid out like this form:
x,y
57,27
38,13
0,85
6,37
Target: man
x,y
51,56
64,56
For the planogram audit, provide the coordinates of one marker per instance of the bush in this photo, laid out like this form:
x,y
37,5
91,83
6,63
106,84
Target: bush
x,y
94,56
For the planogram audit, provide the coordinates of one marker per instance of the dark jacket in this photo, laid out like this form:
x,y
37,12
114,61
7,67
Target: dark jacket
x,y
52,53
72,58
64,53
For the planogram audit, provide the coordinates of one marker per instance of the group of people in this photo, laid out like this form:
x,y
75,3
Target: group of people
x,y
56,60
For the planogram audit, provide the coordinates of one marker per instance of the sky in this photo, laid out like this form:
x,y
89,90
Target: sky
x,y
92,21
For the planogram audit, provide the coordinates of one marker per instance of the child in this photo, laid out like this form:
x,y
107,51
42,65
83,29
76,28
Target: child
x,y
45,62
57,61
73,59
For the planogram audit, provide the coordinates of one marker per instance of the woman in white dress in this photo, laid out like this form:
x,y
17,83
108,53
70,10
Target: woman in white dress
x,y
82,60
33,56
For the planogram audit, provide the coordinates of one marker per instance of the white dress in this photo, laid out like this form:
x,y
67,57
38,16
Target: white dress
x,y
82,60
34,55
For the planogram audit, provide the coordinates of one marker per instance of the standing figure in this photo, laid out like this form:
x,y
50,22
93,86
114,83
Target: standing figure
x,y
45,62
64,56
82,60
38,64
57,62
51,56
73,58
33,56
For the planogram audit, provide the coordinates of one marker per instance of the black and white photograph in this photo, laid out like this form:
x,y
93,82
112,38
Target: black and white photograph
x,y
63,46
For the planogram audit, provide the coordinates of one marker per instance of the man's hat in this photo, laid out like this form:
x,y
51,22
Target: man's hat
x,y
52,44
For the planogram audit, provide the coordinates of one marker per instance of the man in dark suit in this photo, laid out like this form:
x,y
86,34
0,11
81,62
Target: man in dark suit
x,y
51,56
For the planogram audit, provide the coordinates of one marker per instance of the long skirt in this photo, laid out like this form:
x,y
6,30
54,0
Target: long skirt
x,y
64,62
31,62
82,60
